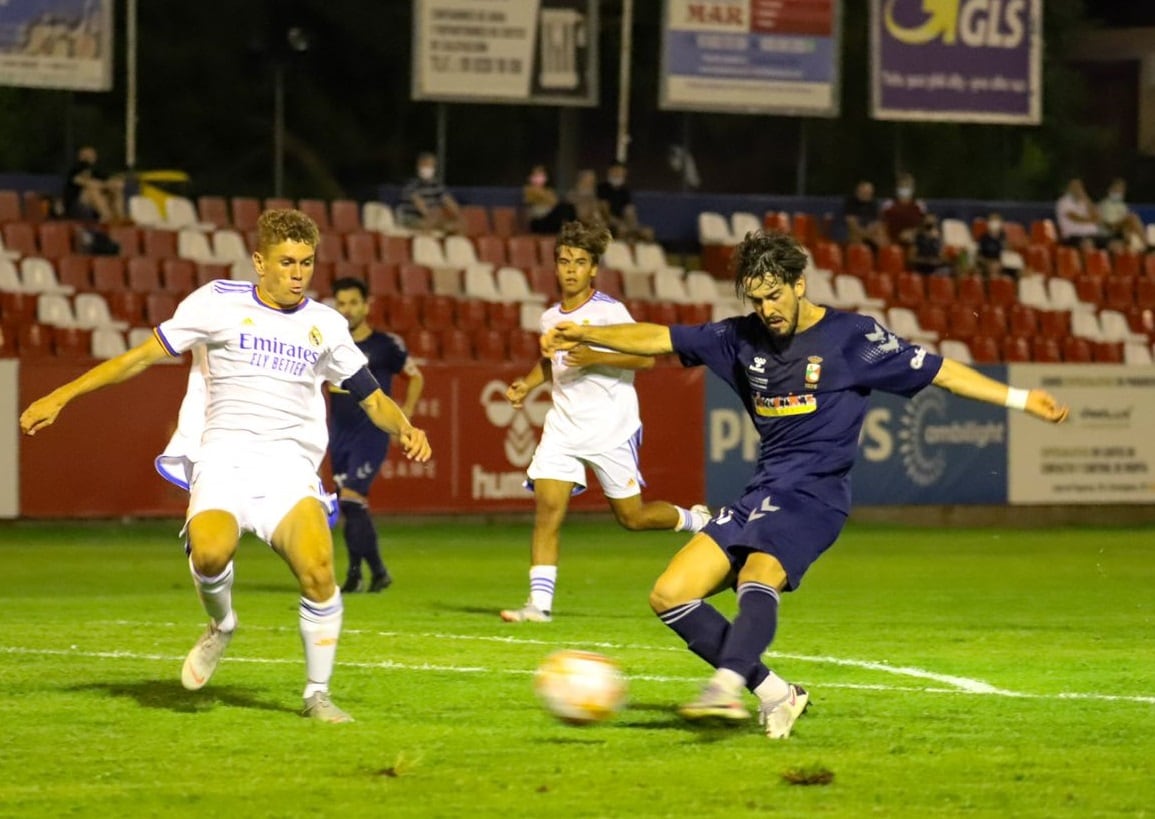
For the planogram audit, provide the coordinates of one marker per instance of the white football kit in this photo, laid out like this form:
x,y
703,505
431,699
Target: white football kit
x,y
264,429
594,419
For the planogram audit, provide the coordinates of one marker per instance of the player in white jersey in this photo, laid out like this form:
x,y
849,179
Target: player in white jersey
x,y
594,422
268,350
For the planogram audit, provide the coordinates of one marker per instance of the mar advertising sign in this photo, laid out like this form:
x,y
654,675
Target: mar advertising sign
x,y
957,60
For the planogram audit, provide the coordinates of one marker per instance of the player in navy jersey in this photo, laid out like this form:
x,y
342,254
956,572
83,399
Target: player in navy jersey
x,y
357,447
804,373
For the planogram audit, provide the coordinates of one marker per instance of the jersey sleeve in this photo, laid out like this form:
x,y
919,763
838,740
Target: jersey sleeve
x,y
620,314
345,357
711,345
191,323
884,361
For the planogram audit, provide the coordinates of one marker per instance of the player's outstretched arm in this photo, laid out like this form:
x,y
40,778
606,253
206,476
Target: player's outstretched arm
x,y
970,383
520,388
43,411
585,356
638,339
387,416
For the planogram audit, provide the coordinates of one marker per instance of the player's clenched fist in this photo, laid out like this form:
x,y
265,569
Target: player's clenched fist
x,y
415,444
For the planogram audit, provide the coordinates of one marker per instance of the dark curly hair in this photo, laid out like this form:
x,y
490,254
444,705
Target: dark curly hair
x,y
767,256
593,239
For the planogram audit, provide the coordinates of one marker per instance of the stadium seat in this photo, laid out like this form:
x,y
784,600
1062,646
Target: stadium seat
x,y
1055,323
126,305
1115,326
331,248
491,250
805,228
941,290
479,283
393,248
503,315
1022,320
523,346
903,322
382,278
1017,238
428,251
72,342
963,321
992,321
639,310
438,312
414,279
1089,288
229,246
75,272
699,313
178,276
143,275
92,311
956,235
879,285
1107,352
456,345
318,211
714,229
891,260
1076,350
345,216
776,221
159,243
194,245
543,280
971,290
1043,232
1038,259
1001,290
1097,263
403,311
107,342
743,222
460,252
475,220
54,310
490,346
158,307
828,256
522,252
506,222
1068,263
859,260
1086,325
609,281
214,210
20,237
910,290
513,285
1046,350
55,239
423,344
279,203
360,246
246,210
34,340
39,276
143,211
546,246
181,214
10,208
1016,349
206,273
984,350
1145,292
1137,354
932,318
1120,292
472,315
1127,263
668,284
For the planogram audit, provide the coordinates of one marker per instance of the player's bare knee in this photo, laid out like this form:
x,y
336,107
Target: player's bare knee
x,y
632,519
665,595
317,583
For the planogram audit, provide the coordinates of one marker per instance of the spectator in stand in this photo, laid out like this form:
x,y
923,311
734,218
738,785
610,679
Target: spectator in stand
x,y
1122,225
90,190
926,251
426,204
545,213
863,217
903,214
990,247
584,198
1078,218
618,206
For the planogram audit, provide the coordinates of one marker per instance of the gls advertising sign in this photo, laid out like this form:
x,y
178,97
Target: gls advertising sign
x,y
957,60
932,449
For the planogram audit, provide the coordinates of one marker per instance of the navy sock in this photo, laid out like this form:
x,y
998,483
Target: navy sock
x,y
751,633
361,539
702,627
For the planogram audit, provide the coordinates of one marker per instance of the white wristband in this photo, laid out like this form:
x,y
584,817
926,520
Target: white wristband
x,y
1016,398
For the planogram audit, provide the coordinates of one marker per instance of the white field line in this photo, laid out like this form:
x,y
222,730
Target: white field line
x,y
956,685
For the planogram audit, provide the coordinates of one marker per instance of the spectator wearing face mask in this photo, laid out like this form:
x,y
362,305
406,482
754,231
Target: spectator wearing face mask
x,y
426,203
989,252
545,213
1122,225
1078,218
903,214
618,208
926,250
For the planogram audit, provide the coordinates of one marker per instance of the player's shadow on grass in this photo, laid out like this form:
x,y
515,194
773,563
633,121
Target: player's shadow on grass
x,y
495,611
171,696
672,722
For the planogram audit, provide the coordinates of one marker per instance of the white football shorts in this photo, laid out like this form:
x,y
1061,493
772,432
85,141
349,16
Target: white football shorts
x,y
617,469
257,495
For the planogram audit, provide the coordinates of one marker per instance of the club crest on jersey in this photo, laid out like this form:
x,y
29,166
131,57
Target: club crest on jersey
x,y
315,337
247,322
779,406
813,371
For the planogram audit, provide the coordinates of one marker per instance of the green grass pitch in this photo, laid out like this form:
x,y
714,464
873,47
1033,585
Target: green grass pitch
x,y
954,672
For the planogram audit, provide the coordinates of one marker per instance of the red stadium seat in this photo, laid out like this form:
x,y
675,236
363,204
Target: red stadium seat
x,y
523,346
472,315
331,248
506,222
475,220
940,290
423,344
1089,288
1068,263
20,237
504,316
1043,232
522,252
1120,292
108,274
662,312
891,260
1127,264
963,321
828,256
210,271
129,237
933,318
279,203
382,278
1001,290
544,280
1077,350
1017,238
361,247
491,249
1016,349
126,305
859,260
403,311
346,216
1145,292
11,209
879,285
415,279
1023,321
393,249
178,276
55,239
160,244
214,210
1107,352
317,210
246,211
35,340
1055,324
1046,350
437,312
489,345
143,274
456,345
805,228
1097,263
75,271
545,249
985,350
158,307
694,313
609,281
992,321
971,290
910,290
72,342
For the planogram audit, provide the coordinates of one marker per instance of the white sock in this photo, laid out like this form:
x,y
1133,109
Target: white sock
x,y
773,689
320,631
728,680
542,582
216,594
690,520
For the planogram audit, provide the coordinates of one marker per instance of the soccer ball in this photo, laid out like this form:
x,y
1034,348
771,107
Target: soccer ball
x,y
580,687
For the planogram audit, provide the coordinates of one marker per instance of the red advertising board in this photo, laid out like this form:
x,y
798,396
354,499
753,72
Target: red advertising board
x,y
96,461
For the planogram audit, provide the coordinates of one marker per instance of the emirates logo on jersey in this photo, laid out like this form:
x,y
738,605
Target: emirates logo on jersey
x,y
315,337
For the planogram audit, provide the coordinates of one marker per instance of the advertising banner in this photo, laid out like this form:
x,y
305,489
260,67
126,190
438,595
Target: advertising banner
x,y
511,51
97,459
1105,453
957,60
932,449
751,56
63,44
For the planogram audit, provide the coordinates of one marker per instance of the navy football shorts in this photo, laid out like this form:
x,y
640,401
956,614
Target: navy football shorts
x,y
356,461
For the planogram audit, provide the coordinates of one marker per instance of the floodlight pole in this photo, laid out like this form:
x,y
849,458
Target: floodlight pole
x,y
130,100
279,128
623,143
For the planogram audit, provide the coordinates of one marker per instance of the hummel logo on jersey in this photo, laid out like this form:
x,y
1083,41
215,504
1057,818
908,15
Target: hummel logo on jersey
x,y
759,365
887,342
919,357
766,508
